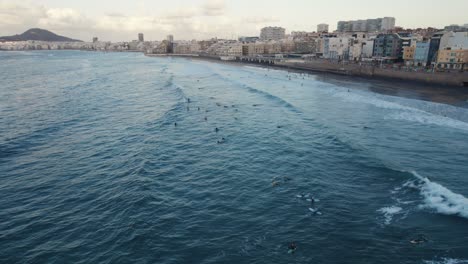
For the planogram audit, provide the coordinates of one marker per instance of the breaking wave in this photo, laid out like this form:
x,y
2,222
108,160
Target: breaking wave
x,y
446,261
439,198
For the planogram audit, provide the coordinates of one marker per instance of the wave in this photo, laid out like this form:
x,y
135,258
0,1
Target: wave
x,y
354,97
439,198
430,119
260,92
446,261
406,113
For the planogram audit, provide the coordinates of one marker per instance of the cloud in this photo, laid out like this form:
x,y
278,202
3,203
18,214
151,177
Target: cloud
x,y
261,20
214,8
13,15
201,22
63,18
181,13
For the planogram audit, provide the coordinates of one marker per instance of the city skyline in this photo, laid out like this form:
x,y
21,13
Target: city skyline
x,y
202,19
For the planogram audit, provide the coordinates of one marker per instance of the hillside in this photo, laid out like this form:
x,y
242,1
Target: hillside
x,y
38,34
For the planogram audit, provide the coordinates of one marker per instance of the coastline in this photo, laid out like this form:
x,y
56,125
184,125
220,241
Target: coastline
x,y
412,89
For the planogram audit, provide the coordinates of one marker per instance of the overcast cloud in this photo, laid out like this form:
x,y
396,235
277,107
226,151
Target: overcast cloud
x,y
201,19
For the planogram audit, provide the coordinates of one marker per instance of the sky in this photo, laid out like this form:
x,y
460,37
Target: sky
x,y
122,20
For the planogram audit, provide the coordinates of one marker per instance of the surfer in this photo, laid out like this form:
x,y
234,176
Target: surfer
x,y
292,248
312,201
216,130
206,118
175,124
421,239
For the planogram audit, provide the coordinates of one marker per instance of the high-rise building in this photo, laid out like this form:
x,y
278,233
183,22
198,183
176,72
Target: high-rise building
x,y
141,37
95,39
170,38
368,25
273,33
388,23
322,28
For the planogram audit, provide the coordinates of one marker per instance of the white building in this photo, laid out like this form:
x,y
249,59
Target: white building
x,y
322,28
273,33
454,40
337,48
388,23
367,49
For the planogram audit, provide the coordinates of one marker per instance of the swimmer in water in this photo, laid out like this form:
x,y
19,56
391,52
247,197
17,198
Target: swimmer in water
x,y
188,100
206,118
217,130
175,124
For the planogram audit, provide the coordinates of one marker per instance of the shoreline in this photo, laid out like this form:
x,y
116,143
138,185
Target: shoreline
x,y
412,89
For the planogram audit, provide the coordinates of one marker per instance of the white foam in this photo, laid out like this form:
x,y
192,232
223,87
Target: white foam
x,y
354,97
389,212
441,199
429,119
446,261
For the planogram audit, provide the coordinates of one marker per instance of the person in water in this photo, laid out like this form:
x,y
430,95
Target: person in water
x,y
292,247
175,124
421,239
217,130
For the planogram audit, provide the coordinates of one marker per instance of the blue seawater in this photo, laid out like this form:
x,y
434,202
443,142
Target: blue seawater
x,y
115,158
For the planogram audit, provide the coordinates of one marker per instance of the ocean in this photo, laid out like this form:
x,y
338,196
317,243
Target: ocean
x,y
122,158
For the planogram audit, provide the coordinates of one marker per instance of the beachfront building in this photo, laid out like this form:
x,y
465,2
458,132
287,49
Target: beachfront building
x,y
322,28
368,25
337,48
272,47
234,50
253,49
421,54
272,33
434,45
452,59
367,49
454,40
408,54
388,47
305,47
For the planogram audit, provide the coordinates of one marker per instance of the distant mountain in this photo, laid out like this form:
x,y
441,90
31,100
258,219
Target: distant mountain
x,y
38,34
